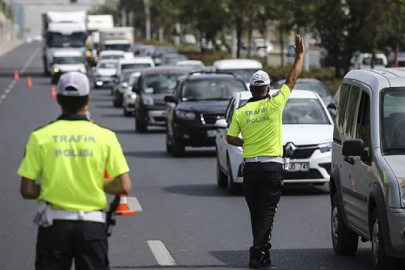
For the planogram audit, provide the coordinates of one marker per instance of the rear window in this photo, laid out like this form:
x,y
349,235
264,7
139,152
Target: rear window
x,y
304,112
211,89
135,65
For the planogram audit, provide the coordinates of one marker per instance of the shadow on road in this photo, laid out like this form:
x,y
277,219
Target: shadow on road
x,y
203,190
299,190
297,259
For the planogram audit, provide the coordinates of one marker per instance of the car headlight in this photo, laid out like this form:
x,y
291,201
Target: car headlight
x,y
185,115
325,147
56,69
131,95
82,69
148,101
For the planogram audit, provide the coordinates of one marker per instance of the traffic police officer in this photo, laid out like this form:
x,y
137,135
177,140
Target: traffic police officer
x,y
259,122
69,157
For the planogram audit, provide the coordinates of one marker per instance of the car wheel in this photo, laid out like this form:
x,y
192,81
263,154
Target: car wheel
x,y
233,188
140,127
126,113
116,101
222,179
169,144
344,241
380,259
178,147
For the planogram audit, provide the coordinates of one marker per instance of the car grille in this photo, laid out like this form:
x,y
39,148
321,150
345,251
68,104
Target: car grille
x,y
210,119
311,174
304,152
159,119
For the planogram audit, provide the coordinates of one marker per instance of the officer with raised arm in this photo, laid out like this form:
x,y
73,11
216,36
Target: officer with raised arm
x,y
63,168
259,122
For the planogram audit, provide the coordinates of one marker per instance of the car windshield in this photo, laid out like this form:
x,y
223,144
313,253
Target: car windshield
x,y
393,121
377,61
112,56
71,60
211,90
135,66
316,87
108,65
125,76
304,111
133,79
160,83
57,40
245,74
118,47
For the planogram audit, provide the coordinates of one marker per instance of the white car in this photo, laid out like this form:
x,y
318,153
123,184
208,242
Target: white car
x,y
363,61
129,97
137,62
103,73
244,68
67,60
306,124
111,55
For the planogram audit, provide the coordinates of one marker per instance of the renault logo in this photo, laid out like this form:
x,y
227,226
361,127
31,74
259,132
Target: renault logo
x,y
290,149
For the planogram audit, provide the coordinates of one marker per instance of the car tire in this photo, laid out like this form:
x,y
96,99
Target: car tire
x,y
116,101
233,188
345,241
380,260
178,148
140,126
169,144
126,113
222,179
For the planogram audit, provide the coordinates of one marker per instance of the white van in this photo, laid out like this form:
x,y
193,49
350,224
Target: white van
x,y
244,68
363,61
367,184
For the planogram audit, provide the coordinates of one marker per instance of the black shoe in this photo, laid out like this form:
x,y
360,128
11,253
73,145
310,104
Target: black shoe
x,y
256,257
266,261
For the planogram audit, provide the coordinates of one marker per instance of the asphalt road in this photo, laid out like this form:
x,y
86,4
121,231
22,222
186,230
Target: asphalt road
x,y
185,222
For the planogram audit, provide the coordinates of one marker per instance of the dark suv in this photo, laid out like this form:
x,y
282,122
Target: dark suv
x,y
153,85
198,101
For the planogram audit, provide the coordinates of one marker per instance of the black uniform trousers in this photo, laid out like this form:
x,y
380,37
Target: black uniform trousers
x,y
83,241
262,185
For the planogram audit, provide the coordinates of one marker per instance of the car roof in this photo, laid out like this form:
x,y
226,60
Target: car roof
x,y
112,53
165,69
189,62
61,53
136,60
301,80
296,94
378,78
196,76
237,64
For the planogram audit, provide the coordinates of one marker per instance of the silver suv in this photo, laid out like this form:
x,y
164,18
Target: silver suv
x,y
367,184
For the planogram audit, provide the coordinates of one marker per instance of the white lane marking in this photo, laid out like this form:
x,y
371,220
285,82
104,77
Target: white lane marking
x,y
12,84
29,61
7,91
134,204
162,255
3,96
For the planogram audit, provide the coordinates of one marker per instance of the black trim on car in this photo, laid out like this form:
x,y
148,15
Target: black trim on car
x,y
354,194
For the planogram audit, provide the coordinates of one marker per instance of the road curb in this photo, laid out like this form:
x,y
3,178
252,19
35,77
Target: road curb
x,y
8,47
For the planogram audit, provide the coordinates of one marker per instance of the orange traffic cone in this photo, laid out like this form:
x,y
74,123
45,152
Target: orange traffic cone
x,y
123,208
29,82
16,75
53,92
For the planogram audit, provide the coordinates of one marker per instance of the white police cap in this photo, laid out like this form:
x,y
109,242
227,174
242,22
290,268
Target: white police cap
x,y
73,84
260,78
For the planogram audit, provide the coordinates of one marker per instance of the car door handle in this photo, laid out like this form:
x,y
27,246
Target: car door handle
x,y
349,160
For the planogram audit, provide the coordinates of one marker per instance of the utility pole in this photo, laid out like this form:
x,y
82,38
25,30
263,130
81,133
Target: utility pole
x,y
147,16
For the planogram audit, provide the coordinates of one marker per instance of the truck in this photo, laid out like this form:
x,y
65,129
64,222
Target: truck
x,y
62,30
94,24
117,38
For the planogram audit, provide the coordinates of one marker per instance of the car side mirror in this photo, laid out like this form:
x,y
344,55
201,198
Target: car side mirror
x,y
124,85
169,99
332,109
353,148
221,123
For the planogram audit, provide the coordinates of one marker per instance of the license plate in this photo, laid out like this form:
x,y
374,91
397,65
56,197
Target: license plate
x,y
211,133
298,167
163,114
